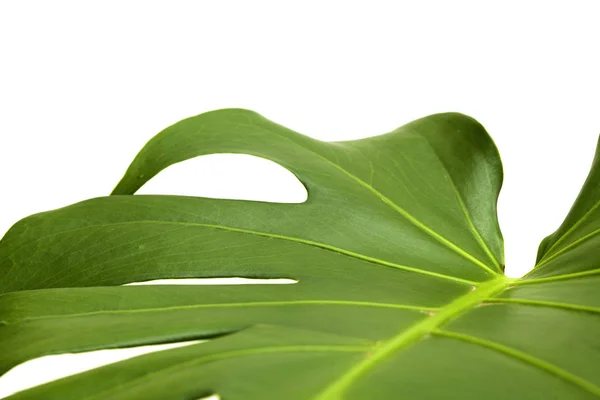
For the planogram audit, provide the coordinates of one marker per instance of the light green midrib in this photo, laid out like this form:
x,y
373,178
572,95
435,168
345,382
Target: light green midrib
x,y
412,334
526,358
397,208
227,305
231,354
288,238
543,303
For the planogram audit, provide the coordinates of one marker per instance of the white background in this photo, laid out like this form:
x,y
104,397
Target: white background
x,y
83,85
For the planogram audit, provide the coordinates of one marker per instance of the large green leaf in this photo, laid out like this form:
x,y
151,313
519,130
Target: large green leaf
x,y
397,254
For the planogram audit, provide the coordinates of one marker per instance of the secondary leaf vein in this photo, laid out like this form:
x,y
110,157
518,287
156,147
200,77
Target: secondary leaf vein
x,y
541,303
398,209
526,358
297,240
240,304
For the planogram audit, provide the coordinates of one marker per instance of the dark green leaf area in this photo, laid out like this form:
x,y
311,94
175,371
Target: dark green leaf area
x,y
394,265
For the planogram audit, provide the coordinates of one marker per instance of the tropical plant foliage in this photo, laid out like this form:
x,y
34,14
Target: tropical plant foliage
x,y
397,255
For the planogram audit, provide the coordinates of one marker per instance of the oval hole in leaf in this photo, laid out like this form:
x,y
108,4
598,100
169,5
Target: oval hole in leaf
x,y
217,281
228,176
45,369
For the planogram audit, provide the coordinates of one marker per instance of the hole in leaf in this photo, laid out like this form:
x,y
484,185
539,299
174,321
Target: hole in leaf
x,y
216,281
228,176
50,368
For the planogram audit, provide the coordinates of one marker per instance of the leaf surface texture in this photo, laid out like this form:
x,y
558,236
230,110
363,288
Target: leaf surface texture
x,y
397,255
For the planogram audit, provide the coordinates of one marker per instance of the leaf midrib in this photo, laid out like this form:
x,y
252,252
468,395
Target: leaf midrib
x,y
414,333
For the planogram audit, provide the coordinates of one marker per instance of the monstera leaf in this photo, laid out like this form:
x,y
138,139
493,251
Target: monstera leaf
x,y
397,255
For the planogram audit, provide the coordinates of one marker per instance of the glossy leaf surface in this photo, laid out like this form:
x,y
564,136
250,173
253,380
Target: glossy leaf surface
x,y
397,255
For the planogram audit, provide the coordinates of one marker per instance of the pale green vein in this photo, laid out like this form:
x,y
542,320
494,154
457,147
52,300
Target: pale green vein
x,y
557,278
415,221
288,238
238,305
398,209
412,334
231,354
473,229
526,358
568,232
566,248
465,211
541,303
